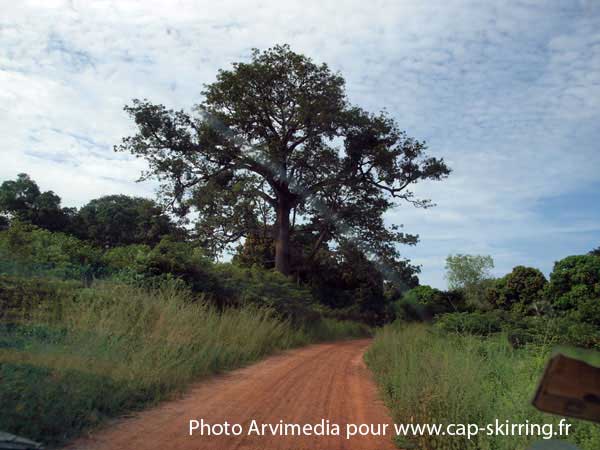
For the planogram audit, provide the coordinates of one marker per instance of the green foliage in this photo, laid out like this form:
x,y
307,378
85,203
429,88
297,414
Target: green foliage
x,y
422,303
554,331
124,258
520,329
115,220
343,278
115,347
466,270
25,297
574,287
22,199
428,377
476,323
39,401
257,250
268,289
28,250
275,137
179,260
521,290
471,274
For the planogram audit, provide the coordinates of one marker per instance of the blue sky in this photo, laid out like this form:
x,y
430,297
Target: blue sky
x,y
508,92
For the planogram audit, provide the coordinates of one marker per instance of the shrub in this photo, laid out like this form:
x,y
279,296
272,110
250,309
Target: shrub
x,y
422,303
553,331
267,288
172,259
123,259
477,323
115,220
521,330
28,250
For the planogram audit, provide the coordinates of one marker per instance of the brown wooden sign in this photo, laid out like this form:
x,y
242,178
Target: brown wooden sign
x,y
570,387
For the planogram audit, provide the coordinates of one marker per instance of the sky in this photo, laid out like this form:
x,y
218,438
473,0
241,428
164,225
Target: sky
x,y
508,93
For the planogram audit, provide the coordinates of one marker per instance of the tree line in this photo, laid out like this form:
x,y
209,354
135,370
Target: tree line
x,y
276,166
134,238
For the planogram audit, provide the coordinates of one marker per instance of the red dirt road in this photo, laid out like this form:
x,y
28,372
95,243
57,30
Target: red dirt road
x,y
325,381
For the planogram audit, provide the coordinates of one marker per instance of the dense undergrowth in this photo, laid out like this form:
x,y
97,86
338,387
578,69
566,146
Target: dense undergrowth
x,y
99,351
427,375
89,333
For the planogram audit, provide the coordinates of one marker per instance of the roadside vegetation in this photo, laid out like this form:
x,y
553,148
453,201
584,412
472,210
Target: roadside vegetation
x,y
124,301
475,353
428,376
120,302
88,333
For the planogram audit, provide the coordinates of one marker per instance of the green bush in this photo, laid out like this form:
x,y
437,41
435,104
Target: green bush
x,y
522,330
30,251
181,260
123,259
554,331
422,303
270,289
476,323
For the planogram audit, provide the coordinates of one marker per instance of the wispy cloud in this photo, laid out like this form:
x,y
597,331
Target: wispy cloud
x,y
508,93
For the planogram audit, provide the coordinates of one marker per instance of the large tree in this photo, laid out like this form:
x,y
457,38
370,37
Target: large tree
x,y
276,144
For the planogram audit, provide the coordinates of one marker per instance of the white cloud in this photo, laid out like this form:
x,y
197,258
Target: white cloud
x,y
508,93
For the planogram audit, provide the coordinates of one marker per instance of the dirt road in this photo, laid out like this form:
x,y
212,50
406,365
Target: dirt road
x,y
325,381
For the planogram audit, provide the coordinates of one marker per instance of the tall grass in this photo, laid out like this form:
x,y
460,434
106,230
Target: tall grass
x,y
113,348
427,376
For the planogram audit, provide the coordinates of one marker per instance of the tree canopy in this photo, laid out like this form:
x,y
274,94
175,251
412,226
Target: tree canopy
x,y
275,145
521,289
471,274
22,199
122,220
575,286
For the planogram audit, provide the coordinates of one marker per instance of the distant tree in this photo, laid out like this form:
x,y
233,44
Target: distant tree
x,y
115,220
595,252
276,140
574,287
470,273
521,289
23,200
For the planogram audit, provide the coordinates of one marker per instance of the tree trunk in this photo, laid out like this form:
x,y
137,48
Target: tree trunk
x,y
282,238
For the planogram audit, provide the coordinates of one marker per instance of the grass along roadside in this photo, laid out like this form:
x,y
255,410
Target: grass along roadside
x,y
428,376
115,348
